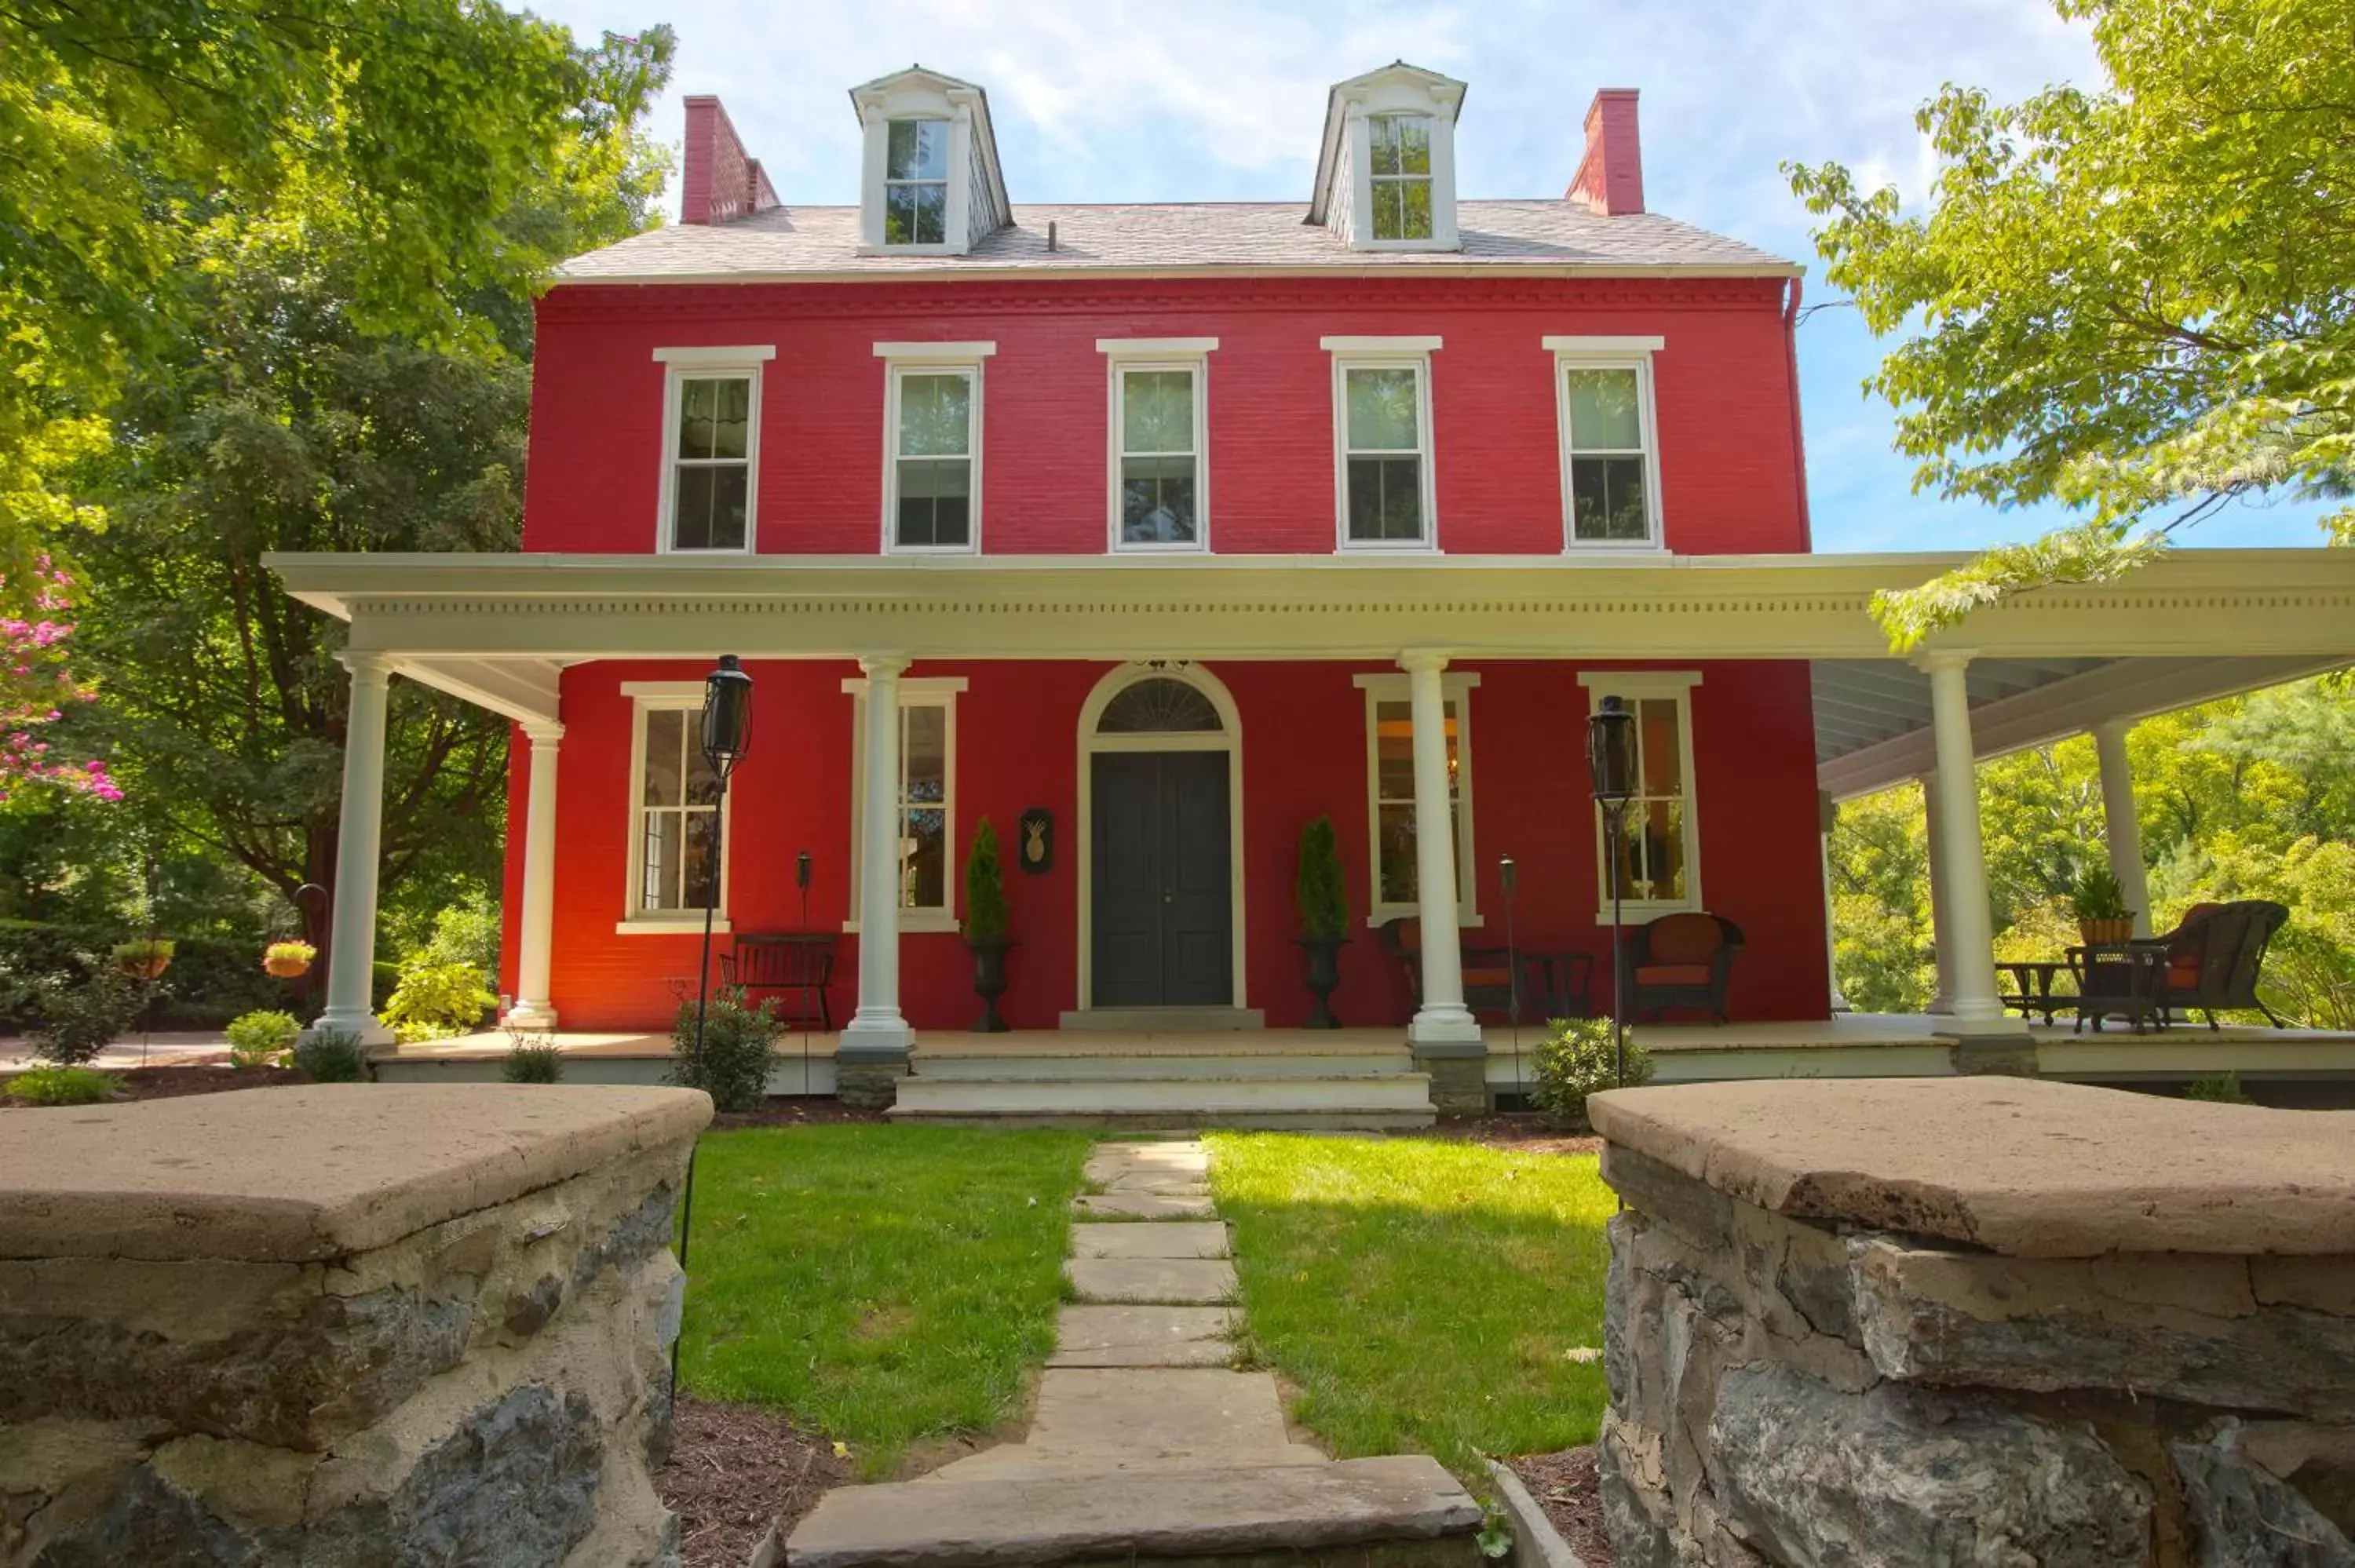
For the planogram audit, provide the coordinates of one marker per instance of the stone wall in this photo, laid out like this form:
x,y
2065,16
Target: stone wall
x,y
356,1324
1978,1322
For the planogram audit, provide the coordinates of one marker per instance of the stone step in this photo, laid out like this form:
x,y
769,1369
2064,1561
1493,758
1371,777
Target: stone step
x,y
1162,1020
1409,1505
1110,1337
1375,1119
1183,1239
1114,1415
1107,1206
1370,1062
1152,1281
1207,1100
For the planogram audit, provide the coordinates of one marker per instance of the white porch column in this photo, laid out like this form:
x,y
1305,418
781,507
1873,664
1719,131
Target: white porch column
x,y
2125,832
1828,812
1443,1016
532,1009
1942,930
877,1034
351,950
1976,1008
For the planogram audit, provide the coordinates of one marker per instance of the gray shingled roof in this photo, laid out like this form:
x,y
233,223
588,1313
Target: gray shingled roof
x,y
791,241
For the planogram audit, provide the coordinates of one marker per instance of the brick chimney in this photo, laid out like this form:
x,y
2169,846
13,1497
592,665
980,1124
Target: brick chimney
x,y
717,180
1610,178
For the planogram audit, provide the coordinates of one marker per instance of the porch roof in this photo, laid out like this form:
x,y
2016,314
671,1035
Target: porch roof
x,y
497,628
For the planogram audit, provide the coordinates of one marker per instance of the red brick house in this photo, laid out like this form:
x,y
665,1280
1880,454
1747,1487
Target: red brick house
x,y
1165,530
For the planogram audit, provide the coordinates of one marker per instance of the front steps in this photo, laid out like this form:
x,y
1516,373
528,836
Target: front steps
x,y
1360,1088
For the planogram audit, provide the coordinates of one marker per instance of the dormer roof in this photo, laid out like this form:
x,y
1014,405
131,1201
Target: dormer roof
x,y
919,90
1397,85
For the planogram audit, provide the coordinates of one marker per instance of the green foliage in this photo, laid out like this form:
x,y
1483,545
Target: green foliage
x,y
289,953
1880,902
531,1061
2129,299
986,916
2097,896
212,978
79,1019
467,932
738,1051
2218,1088
1576,1059
61,1085
261,1039
332,1056
141,953
435,1000
1324,902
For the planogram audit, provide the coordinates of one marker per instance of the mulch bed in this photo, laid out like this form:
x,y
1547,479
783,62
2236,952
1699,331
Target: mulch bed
x,y
1566,1486
735,1470
1523,1133
796,1110
171,1082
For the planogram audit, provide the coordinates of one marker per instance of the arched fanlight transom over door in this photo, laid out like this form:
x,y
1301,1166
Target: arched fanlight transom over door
x,y
1160,705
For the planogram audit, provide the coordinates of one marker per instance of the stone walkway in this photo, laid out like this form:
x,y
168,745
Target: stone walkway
x,y
1147,1441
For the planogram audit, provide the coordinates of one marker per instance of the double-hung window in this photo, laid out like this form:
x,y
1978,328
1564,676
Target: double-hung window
x,y
1657,862
1399,175
1610,469
1390,783
916,183
1381,408
711,439
675,826
1160,480
923,804
932,481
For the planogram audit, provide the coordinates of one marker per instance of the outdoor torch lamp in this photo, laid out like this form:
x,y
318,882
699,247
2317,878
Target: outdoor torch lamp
x,y
727,715
1611,752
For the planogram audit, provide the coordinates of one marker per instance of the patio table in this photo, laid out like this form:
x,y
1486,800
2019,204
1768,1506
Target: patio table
x,y
2032,992
2119,978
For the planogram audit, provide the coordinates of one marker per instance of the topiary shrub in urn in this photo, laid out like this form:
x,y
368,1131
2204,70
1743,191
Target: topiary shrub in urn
x,y
2100,906
985,920
1324,918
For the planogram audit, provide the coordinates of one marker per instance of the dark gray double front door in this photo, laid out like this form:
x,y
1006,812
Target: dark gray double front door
x,y
1162,935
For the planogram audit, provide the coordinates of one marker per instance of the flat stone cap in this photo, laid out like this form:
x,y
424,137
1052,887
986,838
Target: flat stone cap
x,y
2024,1167
316,1171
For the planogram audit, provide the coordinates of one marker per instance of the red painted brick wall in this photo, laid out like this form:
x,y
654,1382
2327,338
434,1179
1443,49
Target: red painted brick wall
x,y
1303,753
1728,467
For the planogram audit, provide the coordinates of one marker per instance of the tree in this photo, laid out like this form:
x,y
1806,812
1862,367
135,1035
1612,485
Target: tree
x,y
35,688
2133,300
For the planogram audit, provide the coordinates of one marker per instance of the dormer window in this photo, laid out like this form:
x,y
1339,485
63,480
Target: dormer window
x,y
1400,174
916,183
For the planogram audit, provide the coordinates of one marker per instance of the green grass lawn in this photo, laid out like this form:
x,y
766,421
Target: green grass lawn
x,y
885,1285
1421,1294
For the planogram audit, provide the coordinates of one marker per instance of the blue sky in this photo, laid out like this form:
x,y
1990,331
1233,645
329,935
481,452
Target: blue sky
x,y
1221,100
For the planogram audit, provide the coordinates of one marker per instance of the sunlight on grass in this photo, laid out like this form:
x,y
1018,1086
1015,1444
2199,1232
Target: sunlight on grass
x,y
886,1285
1423,1296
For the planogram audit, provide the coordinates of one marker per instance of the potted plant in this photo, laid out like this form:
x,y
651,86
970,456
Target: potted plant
x,y
289,959
144,959
985,926
1324,918
2100,906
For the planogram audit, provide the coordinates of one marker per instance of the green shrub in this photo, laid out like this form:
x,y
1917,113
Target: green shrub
x,y
1324,902
1575,1059
466,933
61,1085
79,1021
332,1056
2097,896
261,1039
2218,1088
738,1051
436,999
985,915
212,978
531,1061
144,959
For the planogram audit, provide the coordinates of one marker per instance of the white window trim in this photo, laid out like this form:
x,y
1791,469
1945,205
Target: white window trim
x,y
925,691
663,697
899,360
1383,354
1608,354
1455,686
916,101
1440,107
702,363
1192,355
1677,684
1374,181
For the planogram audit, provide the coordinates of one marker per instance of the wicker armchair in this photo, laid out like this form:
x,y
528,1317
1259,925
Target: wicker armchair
x,y
1678,960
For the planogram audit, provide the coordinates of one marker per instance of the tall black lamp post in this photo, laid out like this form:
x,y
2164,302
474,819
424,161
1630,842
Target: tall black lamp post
x,y
1610,764
726,735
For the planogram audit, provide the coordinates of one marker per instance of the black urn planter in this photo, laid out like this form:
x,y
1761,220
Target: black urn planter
x,y
1324,978
989,980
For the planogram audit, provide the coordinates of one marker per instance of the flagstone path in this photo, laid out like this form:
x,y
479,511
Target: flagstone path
x,y
1147,1441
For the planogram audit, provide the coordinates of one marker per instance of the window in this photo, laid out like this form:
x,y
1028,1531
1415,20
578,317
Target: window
x,y
1399,173
1610,480
1384,419
711,439
916,183
677,810
931,467
1657,866
1390,763
925,802
1159,479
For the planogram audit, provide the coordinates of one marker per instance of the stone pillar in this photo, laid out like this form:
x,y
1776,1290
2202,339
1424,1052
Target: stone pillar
x,y
871,1056
537,919
1976,1012
1446,1039
1942,930
1828,812
351,953
2124,831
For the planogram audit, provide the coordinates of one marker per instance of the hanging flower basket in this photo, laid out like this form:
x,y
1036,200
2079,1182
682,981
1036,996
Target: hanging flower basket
x,y
289,959
144,959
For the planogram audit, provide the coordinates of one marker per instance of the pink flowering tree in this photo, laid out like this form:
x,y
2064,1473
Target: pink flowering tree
x,y
35,687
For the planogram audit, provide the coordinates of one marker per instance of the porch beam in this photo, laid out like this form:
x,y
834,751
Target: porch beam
x,y
351,950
